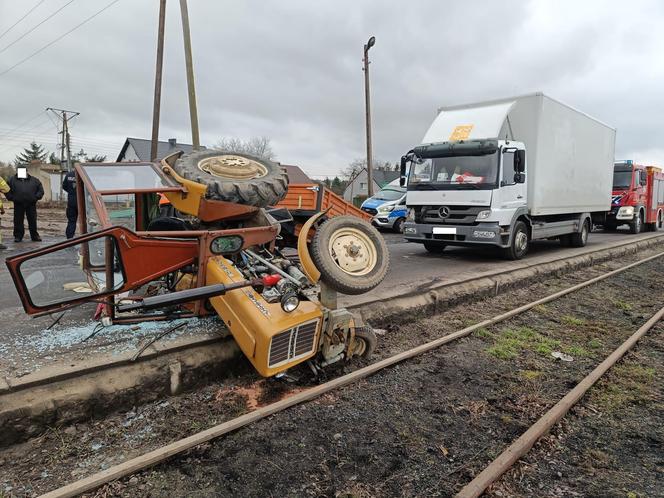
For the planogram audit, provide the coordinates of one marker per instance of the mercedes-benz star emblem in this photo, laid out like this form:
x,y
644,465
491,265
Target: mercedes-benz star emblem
x,y
444,212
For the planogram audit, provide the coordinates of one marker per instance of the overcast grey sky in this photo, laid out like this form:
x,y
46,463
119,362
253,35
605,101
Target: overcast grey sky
x,y
292,70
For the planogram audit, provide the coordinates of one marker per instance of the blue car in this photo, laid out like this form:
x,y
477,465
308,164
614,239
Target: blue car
x,y
389,193
391,215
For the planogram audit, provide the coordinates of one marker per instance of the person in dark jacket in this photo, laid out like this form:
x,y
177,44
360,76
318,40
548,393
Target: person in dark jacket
x,y
24,191
69,186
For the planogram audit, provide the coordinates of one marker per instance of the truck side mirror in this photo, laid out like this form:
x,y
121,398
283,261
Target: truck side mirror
x,y
402,172
520,162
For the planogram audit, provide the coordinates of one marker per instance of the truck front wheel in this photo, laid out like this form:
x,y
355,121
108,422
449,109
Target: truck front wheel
x,y
636,225
520,242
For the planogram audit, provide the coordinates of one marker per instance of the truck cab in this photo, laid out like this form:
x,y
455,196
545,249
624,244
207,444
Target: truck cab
x,y
637,197
465,193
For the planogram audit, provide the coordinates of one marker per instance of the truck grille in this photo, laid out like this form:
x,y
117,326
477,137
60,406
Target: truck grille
x,y
292,344
451,215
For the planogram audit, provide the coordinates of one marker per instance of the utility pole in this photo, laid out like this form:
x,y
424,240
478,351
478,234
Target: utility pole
x,y
65,147
156,107
367,100
193,113
65,116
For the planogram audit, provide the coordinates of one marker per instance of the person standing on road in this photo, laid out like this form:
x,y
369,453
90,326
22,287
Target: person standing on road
x,y
4,188
24,191
69,186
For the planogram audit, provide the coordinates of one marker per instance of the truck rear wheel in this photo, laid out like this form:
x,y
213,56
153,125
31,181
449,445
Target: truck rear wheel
x,y
350,254
235,177
520,242
637,224
580,239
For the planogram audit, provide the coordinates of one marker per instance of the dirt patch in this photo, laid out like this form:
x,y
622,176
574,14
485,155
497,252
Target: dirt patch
x,y
424,427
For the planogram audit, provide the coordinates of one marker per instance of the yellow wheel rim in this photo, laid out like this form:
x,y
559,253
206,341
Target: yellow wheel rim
x,y
353,251
233,167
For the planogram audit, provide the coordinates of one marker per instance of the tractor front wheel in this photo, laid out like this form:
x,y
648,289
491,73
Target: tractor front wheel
x,y
350,254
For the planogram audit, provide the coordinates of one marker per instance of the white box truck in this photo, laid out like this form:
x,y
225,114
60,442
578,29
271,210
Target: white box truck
x,y
506,172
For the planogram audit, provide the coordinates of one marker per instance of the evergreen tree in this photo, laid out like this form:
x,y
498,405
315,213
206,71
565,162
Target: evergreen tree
x,y
34,152
337,185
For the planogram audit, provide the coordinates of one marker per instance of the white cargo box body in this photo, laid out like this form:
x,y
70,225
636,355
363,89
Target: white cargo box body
x,y
569,154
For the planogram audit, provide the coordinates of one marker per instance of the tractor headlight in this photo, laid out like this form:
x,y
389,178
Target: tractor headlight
x,y
290,301
483,215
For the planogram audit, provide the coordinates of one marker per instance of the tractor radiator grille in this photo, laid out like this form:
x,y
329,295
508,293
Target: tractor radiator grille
x,y
292,344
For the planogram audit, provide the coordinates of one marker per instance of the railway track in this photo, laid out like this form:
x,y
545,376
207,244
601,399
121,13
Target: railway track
x,y
475,487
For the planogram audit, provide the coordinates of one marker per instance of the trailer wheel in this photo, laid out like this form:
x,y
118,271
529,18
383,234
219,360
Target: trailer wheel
x,y
520,242
636,225
350,254
580,239
434,247
660,220
235,177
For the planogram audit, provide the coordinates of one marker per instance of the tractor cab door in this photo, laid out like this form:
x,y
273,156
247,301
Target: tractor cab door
x,y
93,266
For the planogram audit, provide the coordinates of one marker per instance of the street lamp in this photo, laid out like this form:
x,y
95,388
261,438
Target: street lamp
x,y
367,100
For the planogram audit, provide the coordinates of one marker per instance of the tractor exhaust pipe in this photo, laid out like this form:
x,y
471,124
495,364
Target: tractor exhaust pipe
x,y
184,296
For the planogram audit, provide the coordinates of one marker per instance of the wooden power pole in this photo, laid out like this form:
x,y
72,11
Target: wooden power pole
x,y
193,112
156,106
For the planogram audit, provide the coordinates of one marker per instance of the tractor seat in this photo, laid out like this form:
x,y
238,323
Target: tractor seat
x,y
169,224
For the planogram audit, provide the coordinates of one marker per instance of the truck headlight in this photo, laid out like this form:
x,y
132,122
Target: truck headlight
x,y
483,215
626,211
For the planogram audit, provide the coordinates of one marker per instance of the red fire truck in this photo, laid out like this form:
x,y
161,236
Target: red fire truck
x,y
638,197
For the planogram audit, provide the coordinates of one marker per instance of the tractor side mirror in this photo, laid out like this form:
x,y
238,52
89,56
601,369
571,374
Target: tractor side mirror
x,y
520,161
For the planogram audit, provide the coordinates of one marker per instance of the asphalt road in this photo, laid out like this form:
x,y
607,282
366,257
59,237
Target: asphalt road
x,y
409,262
411,265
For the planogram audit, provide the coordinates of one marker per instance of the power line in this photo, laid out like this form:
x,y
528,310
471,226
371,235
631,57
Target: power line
x,y
34,27
58,38
24,123
26,15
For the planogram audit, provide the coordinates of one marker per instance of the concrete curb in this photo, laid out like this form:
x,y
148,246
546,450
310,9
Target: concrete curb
x,y
66,394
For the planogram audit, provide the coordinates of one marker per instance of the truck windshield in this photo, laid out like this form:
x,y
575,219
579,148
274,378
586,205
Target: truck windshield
x,y
454,172
622,178
389,194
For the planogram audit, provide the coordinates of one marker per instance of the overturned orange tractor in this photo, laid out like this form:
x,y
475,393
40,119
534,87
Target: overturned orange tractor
x,y
216,249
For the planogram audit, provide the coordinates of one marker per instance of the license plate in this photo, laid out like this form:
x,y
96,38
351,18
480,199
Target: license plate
x,y
444,231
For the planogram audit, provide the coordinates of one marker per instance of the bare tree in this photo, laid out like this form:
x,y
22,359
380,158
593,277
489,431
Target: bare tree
x,y
357,165
255,146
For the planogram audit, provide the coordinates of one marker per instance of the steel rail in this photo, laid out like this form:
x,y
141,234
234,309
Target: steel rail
x,y
522,445
163,453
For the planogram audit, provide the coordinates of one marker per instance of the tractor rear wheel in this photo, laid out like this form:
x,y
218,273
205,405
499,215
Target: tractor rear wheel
x,y
235,177
350,254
